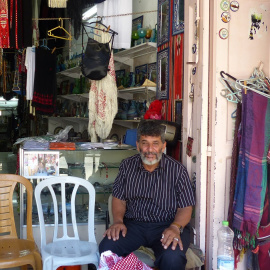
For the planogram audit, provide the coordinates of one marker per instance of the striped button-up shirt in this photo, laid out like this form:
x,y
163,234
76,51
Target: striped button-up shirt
x,y
153,196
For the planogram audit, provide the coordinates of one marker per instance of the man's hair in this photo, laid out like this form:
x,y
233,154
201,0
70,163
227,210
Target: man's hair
x,y
151,128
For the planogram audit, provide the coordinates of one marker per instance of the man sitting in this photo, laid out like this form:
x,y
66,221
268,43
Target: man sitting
x,y
152,202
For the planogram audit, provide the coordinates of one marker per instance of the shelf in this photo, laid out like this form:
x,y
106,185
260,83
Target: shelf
x,y
75,97
126,56
137,51
127,93
71,72
71,118
101,165
126,123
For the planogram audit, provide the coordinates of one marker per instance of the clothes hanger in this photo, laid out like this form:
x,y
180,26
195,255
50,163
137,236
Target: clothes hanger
x,y
229,83
69,37
246,84
44,44
108,28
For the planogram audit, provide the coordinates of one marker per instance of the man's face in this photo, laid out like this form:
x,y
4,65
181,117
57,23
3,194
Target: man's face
x,y
151,149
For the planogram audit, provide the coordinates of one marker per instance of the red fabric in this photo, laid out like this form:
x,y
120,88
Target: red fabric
x,y
4,27
130,262
264,247
110,261
154,111
62,146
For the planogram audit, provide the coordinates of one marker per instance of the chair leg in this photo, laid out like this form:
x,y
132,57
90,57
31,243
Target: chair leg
x,y
38,261
24,267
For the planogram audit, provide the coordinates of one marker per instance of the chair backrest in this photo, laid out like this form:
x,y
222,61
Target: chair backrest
x,y
8,183
60,194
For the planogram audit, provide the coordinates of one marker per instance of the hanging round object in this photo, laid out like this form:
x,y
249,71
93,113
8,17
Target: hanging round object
x,y
223,33
135,35
141,32
148,33
225,17
234,6
225,5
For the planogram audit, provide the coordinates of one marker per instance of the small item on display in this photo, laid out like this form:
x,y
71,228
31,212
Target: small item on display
x,y
189,146
194,48
225,5
234,6
140,74
96,59
154,110
225,17
223,33
62,146
57,130
131,110
97,55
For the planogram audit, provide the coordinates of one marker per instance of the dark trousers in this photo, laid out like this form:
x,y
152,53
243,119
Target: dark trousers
x,y
149,235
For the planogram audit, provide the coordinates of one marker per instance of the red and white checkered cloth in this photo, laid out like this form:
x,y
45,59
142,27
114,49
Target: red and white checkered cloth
x,y
110,261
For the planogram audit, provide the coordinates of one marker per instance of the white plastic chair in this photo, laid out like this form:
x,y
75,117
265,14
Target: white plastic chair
x,y
66,250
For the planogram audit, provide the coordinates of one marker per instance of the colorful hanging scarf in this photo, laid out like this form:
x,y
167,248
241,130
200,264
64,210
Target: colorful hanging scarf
x,y
4,28
252,165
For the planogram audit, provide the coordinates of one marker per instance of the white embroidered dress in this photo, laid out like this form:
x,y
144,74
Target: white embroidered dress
x,y
102,99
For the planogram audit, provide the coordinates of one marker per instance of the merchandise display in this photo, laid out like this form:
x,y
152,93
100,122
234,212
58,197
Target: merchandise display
x,y
89,161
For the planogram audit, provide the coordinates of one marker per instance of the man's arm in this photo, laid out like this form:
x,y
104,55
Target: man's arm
x,y
118,211
172,233
183,216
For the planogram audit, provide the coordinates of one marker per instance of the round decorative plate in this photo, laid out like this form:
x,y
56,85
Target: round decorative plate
x,y
57,130
114,137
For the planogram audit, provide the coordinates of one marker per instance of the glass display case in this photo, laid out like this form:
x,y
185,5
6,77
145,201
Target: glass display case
x,y
99,166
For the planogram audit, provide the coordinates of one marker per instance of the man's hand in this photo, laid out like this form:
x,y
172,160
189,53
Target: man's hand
x,y
171,235
114,230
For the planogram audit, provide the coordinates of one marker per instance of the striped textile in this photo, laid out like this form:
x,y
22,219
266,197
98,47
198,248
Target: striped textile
x,y
153,197
252,165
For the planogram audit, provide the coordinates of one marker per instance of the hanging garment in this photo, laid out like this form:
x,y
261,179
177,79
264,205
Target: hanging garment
x,y
234,161
44,95
57,3
252,165
121,24
103,99
4,27
30,60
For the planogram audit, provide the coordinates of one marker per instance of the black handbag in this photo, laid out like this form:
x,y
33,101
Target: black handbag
x,y
96,59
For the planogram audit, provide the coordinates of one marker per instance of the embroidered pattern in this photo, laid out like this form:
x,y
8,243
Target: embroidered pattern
x,y
4,29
